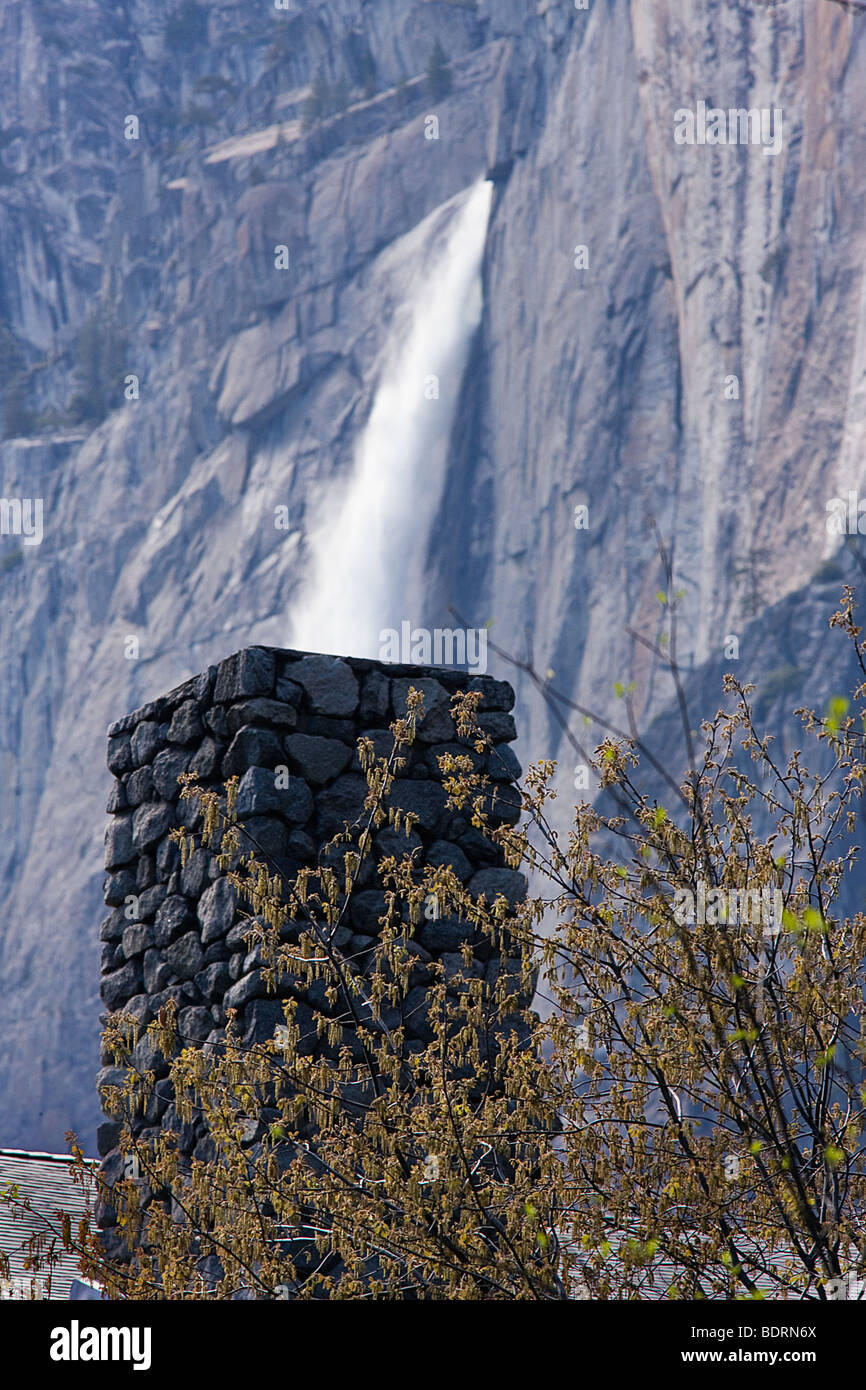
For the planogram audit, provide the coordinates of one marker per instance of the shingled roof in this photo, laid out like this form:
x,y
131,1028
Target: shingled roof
x,y
44,1186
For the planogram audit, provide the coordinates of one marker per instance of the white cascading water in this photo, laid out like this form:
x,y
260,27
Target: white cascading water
x,y
368,541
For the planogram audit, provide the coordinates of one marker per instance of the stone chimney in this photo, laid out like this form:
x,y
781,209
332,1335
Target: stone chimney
x,y
287,724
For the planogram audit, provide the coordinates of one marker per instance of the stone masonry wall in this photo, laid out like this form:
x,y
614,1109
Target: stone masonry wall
x,y
175,933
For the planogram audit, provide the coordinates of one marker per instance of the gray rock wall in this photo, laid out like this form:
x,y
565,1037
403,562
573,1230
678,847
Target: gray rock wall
x,y
287,723
603,386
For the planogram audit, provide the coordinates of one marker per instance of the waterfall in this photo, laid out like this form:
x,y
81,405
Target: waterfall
x,y
368,540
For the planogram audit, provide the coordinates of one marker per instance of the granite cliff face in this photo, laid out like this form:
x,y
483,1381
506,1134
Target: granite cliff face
x,y
181,393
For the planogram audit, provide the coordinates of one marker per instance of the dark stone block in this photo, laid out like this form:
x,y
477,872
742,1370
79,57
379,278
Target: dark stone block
x,y
236,937
436,727
137,938
185,724
446,934
250,672
342,802
194,1025
119,754
334,857
493,882
148,1057
144,743
107,1136
114,1245
105,1215
365,909
458,973
151,901
262,1017
391,843
113,926
172,918
329,685
391,1018
360,950
254,958
301,849
416,1014
216,910
323,727
503,765
375,698
171,994
259,793
167,858
426,800
266,837
502,804
118,887
319,760
252,747
201,687
498,695
434,694
478,848
156,974
145,874
248,987
167,767
139,1007
194,876
155,1108
121,985
289,691
189,814
139,786
185,956
214,980
216,721
443,852
206,1152
150,823
510,968
339,938
116,799
205,762
383,746
419,974
500,727
119,848
275,713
